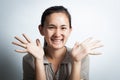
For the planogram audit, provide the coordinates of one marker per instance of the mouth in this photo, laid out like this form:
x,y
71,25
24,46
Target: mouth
x,y
57,41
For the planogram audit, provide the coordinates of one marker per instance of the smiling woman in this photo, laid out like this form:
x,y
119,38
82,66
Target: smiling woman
x,y
56,29
55,61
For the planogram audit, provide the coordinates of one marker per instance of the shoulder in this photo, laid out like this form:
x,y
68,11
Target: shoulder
x,y
67,58
28,59
68,49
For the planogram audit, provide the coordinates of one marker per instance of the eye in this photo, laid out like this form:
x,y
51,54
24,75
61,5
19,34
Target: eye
x,y
51,27
63,28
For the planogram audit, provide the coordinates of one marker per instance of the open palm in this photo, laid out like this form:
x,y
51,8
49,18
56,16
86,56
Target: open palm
x,y
79,51
29,46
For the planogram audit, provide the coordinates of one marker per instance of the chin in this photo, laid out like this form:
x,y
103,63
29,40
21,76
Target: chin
x,y
58,46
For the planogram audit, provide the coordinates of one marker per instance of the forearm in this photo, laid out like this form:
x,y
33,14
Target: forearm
x,y
40,71
75,72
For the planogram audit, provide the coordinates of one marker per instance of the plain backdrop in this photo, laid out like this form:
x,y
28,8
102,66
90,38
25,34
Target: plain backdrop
x,y
90,18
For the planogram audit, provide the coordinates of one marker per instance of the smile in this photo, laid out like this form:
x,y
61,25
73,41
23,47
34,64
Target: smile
x,y
56,40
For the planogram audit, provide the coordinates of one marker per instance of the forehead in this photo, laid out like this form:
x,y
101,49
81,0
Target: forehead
x,y
57,17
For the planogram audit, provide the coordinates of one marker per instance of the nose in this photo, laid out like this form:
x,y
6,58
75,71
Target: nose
x,y
57,33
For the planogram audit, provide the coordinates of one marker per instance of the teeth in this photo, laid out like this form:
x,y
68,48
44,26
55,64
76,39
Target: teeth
x,y
57,40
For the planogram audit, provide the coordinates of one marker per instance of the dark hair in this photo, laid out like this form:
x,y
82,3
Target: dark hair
x,y
54,9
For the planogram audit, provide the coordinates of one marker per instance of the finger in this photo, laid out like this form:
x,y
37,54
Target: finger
x,y
27,38
97,46
87,40
21,51
19,44
19,39
95,53
38,42
76,45
94,43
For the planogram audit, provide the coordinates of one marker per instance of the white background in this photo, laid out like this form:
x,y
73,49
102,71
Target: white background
x,y
90,18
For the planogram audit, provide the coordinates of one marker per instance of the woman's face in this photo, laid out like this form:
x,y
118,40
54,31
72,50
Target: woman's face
x,y
56,30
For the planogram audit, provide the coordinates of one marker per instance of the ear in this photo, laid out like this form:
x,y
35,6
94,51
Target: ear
x,y
70,30
41,30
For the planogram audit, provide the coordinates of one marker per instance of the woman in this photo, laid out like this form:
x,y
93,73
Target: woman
x,y
56,61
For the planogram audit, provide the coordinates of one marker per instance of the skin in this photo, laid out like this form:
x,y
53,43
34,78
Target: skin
x,y
56,31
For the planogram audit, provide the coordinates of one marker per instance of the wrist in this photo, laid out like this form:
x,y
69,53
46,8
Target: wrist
x,y
76,62
39,60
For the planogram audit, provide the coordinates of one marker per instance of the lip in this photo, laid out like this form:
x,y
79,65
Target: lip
x,y
56,40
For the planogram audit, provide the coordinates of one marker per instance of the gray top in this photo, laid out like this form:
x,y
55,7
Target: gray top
x,y
63,72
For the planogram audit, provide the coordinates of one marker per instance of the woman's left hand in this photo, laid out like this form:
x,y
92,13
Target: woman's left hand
x,y
79,51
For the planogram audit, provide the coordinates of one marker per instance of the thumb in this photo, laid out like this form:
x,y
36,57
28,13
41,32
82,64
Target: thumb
x,y
38,42
76,45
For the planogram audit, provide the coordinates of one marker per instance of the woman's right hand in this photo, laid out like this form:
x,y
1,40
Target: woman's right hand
x,y
34,48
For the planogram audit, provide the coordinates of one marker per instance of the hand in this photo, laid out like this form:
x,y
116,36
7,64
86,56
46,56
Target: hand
x,y
30,47
79,51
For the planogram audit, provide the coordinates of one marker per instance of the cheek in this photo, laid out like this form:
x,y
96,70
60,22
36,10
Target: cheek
x,y
48,33
67,33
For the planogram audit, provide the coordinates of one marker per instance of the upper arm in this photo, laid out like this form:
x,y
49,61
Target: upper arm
x,y
85,68
28,70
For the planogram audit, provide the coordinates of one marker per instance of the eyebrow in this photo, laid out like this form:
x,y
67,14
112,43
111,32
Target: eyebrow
x,y
63,25
51,25
54,25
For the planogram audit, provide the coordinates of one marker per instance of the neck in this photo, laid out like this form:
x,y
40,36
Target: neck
x,y
55,53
